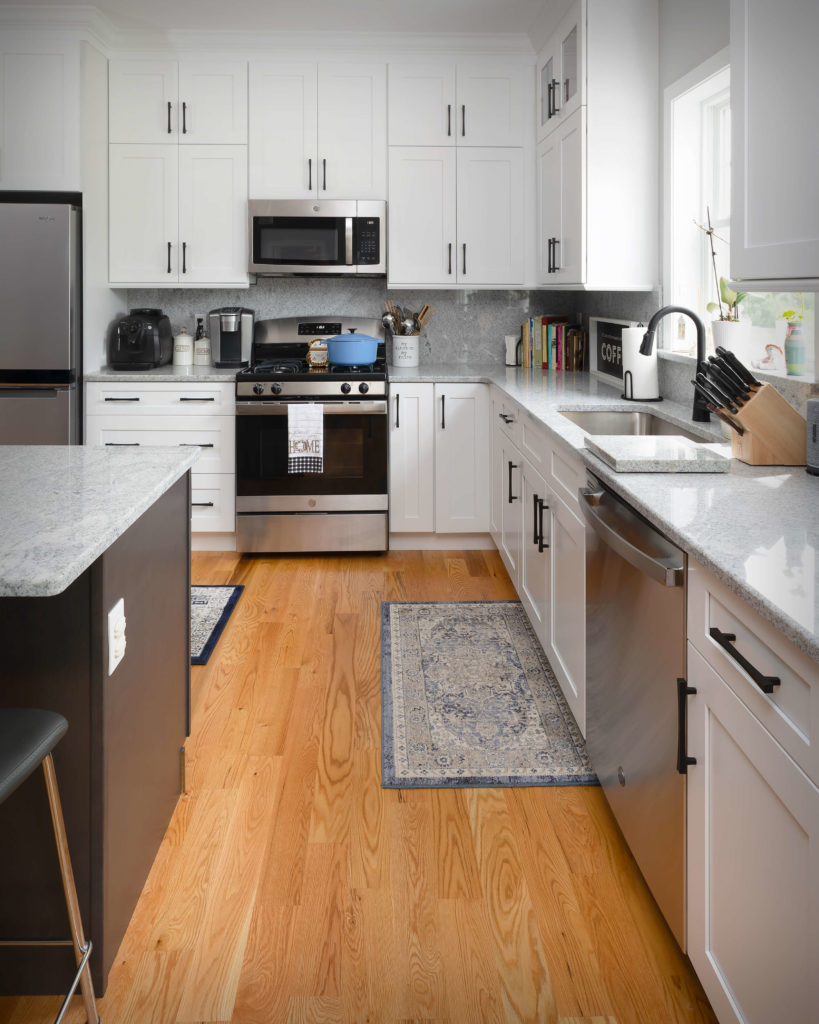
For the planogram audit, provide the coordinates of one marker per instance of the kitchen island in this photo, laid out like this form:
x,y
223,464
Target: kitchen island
x,y
82,529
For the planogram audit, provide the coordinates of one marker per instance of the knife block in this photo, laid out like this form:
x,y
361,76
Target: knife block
x,y
775,433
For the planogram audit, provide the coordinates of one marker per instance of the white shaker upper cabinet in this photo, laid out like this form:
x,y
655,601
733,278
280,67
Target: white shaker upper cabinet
x,y
561,72
212,102
143,214
775,144
283,130
352,131
422,104
142,101
213,214
39,115
493,103
491,245
422,234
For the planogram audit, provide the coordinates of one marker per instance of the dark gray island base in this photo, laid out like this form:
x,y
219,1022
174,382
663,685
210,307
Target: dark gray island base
x,y
119,765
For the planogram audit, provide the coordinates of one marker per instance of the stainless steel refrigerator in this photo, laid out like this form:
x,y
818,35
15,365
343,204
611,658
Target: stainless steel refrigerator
x,y
40,318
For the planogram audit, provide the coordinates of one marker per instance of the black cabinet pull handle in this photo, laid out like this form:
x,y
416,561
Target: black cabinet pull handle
x,y
565,90
193,444
555,94
535,500
555,264
511,497
201,504
449,119
726,642
169,117
169,257
683,760
397,411
450,258
464,258
134,399
549,268
550,108
324,173
184,257
505,418
309,174
443,412
463,119
203,399
541,545
184,118
122,444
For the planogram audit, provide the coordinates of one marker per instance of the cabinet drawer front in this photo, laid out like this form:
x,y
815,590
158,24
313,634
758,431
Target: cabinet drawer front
x,y
566,475
533,441
213,435
506,416
213,502
791,711
194,399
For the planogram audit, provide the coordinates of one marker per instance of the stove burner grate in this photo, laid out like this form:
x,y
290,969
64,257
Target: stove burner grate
x,y
363,368
279,366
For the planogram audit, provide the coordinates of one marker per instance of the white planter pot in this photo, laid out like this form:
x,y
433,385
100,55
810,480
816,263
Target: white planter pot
x,y
735,335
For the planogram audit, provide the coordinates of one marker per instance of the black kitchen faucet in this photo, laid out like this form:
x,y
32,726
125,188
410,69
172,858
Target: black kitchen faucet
x,y
700,413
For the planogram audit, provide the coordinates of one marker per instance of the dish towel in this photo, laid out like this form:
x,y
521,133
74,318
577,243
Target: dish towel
x,y
305,438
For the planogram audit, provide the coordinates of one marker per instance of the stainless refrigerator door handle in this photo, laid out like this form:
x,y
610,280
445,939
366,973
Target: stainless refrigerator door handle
x,y
660,570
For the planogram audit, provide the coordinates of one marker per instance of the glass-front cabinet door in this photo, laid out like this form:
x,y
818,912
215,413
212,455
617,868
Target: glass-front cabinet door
x,y
561,71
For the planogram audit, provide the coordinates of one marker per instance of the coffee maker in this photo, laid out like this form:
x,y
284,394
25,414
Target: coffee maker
x,y
231,335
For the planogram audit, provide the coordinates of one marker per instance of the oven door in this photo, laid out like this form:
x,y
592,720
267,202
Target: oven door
x,y
354,478
293,236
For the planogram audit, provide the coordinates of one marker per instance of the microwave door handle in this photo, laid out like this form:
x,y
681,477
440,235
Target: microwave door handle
x,y
348,241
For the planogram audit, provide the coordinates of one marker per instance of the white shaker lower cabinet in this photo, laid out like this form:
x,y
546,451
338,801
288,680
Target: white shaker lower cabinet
x,y
461,458
412,459
200,415
753,862
439,458
535,587
566,648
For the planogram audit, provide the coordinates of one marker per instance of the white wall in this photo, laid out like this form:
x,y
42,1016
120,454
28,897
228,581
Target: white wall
x,y
101,304
690,32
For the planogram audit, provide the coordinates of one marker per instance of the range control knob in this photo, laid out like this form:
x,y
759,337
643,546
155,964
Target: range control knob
x,y
346,388
258,389
276,388
363,387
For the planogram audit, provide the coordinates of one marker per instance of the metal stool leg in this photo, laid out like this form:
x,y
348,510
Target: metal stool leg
x,y
81,948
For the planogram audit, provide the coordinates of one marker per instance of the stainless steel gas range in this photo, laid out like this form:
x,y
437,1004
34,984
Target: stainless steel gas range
x,y
341,503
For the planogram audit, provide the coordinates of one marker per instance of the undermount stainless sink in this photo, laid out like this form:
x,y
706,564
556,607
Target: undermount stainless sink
x,y
624,421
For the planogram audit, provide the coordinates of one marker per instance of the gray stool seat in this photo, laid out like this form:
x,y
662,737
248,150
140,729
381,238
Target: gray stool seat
x,y
26,736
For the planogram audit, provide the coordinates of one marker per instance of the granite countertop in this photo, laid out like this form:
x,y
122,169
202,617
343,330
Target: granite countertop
x,y
166,374
62,506
755,527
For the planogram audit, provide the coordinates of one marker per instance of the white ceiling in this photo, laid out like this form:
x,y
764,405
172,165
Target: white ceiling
x,y
378,16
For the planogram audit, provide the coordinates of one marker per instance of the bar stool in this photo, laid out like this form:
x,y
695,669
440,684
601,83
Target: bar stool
x,y
27,737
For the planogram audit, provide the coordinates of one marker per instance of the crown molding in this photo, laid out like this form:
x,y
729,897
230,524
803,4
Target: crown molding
x,y
89,22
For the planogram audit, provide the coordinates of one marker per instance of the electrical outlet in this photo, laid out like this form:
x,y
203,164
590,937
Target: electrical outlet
x,y
116,635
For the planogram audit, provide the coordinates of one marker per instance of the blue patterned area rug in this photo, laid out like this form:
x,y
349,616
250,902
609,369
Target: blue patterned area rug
x,y
469,699
210,610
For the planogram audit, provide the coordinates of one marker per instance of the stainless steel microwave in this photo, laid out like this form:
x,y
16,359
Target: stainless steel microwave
x,y
311,236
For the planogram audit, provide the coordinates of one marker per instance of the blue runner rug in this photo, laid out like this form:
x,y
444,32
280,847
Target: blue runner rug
x,y
469,699
210,610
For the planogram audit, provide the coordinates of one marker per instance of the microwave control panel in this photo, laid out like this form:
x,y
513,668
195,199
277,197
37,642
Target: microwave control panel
x,y
367,232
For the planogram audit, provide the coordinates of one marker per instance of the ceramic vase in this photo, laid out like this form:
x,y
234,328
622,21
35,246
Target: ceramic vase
x,y
794,350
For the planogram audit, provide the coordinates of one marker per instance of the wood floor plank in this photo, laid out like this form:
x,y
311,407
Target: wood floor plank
x,y
262,995
369,866
524,977
213,978
457,868
473,987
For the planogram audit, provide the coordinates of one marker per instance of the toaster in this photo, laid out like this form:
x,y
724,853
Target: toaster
x,y
141,341
813,436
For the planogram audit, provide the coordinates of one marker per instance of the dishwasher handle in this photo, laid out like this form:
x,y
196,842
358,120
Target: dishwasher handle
x,y
665,571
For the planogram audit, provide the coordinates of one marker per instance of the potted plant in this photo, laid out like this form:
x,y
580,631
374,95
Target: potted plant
x,y
728,331
794,340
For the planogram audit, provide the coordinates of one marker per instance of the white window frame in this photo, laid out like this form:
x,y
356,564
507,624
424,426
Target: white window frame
x,y
693,80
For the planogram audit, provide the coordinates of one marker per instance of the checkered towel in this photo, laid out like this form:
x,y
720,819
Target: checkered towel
x,y
305,438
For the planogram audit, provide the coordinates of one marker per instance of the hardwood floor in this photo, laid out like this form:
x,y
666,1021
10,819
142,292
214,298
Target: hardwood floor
x,y
291,889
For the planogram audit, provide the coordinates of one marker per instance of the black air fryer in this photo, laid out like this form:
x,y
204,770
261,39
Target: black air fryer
x,y
141,341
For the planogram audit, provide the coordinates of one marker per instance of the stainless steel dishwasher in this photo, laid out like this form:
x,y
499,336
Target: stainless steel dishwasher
x,y
635,661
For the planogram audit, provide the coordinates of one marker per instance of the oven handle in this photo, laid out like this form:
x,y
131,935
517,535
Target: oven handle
x,y
329,408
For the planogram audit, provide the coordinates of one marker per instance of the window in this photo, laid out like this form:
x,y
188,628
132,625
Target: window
x,y
697,162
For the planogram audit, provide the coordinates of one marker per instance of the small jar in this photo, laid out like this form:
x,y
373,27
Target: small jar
x,y
183,349
201,351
